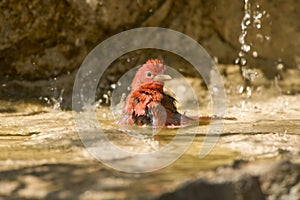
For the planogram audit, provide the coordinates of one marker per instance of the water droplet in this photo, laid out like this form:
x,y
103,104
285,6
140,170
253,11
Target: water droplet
x,y
237,61
243,61
258,25
150,10
268,38
243,104
241,54
240,89
257,15
246,47
280,66
242,39
254,54
248,92
248,22
98,104
113,86
105,96
215,89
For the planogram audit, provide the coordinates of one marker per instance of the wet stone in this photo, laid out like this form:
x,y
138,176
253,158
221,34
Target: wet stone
x,y
256,157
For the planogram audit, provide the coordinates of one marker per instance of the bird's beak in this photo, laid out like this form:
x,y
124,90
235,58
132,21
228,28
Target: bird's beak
x,y
162,78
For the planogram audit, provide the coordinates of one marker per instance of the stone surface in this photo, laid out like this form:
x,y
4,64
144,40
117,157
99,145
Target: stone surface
x,y
274,180
256,157
45,39
280,181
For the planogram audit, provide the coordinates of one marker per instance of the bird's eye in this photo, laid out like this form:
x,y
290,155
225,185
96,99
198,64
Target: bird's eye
x,y
149,74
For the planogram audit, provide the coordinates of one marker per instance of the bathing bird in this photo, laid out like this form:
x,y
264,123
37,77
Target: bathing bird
x,y
148,104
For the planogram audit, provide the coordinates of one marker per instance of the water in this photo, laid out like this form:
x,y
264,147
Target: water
x,y
252,19
43,143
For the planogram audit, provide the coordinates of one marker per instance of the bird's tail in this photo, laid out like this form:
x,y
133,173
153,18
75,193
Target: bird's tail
x,y
206,119
175,120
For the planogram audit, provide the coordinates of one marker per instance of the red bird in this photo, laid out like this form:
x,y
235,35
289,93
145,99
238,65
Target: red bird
x,y
148,104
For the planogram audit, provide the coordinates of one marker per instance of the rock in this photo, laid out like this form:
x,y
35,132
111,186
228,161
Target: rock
x,y
249,181
282,182
46,39
245,188
43,40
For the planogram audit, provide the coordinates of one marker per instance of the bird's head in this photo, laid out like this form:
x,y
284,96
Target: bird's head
x,y
152,71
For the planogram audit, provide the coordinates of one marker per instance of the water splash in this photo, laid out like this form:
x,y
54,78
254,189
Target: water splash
x,y
58,102
252,19
245,47
55,101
